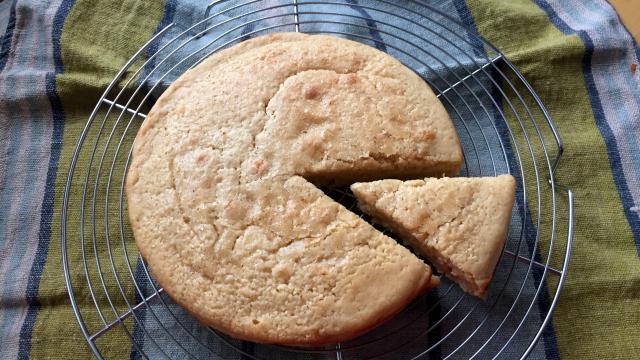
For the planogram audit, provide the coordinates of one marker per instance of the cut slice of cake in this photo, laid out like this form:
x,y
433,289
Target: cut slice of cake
x,y
459,224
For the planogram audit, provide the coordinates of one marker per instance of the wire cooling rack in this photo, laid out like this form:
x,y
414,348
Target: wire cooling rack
x,y
503,126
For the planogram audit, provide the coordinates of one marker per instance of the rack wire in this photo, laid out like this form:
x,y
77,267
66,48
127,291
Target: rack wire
x,y
503,126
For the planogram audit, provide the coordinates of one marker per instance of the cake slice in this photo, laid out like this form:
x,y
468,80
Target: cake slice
x,y
459,224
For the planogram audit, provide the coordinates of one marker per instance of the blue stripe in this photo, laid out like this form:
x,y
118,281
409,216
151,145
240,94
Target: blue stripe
x,y
548,335
16,239
621,112
13,148
20,236
5,43
246,30
601,121
15,139
607,72
465,17
167,18
140,276
44,235
14,143
373,28
22,243
138,329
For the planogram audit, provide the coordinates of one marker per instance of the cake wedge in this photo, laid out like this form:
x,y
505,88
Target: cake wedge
x,y
459,224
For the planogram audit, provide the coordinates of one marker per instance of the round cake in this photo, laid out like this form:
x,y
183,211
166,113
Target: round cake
x,y
222,195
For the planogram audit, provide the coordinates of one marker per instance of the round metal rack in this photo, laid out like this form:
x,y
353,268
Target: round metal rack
x,y
502,124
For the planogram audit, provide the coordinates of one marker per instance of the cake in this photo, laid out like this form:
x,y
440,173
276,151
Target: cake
x,y
222,195
459,224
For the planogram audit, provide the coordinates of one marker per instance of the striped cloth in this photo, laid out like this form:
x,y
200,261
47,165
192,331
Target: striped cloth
x,y
58,56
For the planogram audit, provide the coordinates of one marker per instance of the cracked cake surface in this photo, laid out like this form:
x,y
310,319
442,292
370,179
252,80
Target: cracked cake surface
x,y
460,224
221,194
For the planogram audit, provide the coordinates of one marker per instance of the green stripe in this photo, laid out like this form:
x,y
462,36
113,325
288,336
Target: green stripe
x,y
594,318
97,38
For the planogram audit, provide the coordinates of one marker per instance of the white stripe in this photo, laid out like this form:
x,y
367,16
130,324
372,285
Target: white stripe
x,y
33,114
611,81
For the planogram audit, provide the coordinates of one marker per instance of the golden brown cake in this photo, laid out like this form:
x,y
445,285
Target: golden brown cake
x,y
459,224
220,193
